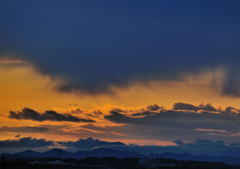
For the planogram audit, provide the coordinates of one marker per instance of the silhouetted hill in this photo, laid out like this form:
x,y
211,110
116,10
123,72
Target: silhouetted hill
x,y
28,153
59,153
120,154
104,152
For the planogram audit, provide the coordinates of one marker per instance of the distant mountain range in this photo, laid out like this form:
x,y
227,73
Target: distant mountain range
x,y
59,153
201,150
106,152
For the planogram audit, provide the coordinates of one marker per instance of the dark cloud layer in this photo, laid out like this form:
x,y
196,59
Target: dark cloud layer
x,y
24,129
90,144
26,143
190,107
183,116
30,114
94,44
208,147
184,121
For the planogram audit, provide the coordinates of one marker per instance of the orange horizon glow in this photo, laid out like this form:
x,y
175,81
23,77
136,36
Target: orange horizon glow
x,y
23,86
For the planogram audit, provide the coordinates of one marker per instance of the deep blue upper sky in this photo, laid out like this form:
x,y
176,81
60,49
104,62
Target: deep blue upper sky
x,y
98,43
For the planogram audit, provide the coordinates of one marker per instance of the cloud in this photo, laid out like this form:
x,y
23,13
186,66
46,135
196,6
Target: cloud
x,y
18,136
153,122
211,130
186,106
154,107
184,120
90,144
30,114
118,117
94,48
201,115
23,144
24,129
150,110
12,62
209,147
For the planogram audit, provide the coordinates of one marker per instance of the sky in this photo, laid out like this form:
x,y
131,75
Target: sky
x,y
140,72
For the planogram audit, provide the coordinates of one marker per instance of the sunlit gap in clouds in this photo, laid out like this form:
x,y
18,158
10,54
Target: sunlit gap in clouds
x,y
39,92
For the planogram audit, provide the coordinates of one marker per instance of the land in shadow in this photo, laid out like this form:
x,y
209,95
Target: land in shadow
x,y
111,163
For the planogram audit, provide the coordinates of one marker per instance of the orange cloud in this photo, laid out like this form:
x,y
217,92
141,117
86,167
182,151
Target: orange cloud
x,y
23,86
